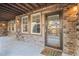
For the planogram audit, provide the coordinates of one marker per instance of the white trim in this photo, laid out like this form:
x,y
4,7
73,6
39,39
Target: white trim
x,y
8,26
14,25
39,23
12,22
22,24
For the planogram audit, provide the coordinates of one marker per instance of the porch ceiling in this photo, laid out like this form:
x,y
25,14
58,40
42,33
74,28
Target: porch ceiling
x,y
8,11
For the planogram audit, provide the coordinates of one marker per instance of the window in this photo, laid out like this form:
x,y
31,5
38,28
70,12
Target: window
x,y
11,26
24,26
35,23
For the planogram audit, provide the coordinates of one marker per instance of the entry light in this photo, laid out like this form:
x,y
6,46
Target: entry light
x,y
75,8
3,24
17,21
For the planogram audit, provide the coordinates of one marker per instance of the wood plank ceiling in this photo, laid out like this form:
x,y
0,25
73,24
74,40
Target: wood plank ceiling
x,y
8,11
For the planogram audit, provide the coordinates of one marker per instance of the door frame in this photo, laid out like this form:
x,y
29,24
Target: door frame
x,y
61,28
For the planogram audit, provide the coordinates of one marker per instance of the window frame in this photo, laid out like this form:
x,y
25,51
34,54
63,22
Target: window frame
x,y
23,24
37,23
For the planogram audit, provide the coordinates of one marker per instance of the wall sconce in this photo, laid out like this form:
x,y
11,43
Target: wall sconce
x,y
75,8
3,24
72,14
17,21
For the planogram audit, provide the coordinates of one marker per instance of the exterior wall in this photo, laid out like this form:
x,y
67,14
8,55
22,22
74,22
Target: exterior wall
x,y
69,31
3,28
77,32
36,40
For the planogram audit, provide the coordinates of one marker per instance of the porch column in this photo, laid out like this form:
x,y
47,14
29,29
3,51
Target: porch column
x,y
18,27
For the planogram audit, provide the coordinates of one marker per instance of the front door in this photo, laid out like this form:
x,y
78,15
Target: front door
x,y
53,31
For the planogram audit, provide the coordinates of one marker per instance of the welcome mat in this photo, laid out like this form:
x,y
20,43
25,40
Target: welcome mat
x,y
51,52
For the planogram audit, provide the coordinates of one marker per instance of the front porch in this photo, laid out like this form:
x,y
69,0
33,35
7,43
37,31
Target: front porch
x,y
29,28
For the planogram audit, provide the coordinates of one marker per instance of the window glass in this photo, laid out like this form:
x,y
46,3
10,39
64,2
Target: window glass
x,y
24,24
35,24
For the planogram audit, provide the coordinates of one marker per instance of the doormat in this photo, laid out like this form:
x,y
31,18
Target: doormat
x,y
51,52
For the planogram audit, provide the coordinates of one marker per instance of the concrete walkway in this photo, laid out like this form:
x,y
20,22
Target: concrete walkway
x,y
9,46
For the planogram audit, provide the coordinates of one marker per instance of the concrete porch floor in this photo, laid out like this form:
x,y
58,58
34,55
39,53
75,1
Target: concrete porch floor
x,y
9,46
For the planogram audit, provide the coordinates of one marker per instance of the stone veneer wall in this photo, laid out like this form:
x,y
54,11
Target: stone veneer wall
x,y
3,28
69,32
77,32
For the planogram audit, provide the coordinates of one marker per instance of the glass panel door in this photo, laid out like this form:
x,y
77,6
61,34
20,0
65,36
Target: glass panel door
x,y
53,31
